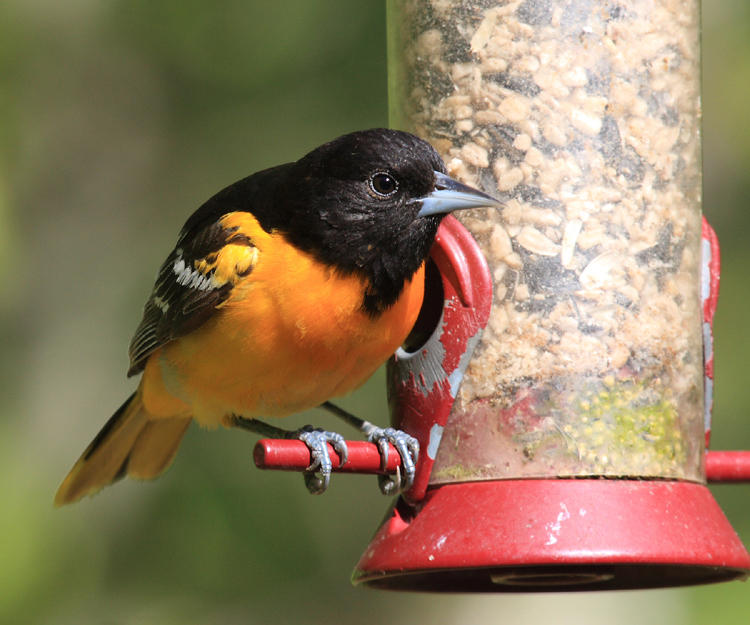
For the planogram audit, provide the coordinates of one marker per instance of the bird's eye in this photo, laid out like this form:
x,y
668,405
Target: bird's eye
x,y
383,184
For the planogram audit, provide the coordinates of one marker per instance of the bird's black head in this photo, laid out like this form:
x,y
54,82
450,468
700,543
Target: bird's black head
x,y
359,206
368,203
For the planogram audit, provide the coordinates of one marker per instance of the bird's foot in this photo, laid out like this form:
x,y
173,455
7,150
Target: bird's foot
x,y
318,474
408,449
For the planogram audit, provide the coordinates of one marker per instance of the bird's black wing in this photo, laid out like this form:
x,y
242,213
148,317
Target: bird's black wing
x,y
189,288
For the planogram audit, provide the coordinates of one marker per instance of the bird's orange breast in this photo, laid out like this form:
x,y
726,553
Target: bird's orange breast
x,y
292,334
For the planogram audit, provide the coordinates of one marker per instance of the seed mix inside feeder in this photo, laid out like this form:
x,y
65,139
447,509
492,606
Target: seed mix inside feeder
x,y
583,117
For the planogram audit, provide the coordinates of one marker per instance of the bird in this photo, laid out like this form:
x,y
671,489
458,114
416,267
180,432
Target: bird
x,y
284,290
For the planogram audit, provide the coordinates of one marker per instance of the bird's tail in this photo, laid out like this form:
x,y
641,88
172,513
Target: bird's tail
x,y
129,444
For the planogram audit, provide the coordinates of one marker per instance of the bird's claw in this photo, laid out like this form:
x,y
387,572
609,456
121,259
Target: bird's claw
x,y
318,474
408,449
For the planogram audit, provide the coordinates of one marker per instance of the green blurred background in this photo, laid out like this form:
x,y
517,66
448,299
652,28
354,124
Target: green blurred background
x,y
116,120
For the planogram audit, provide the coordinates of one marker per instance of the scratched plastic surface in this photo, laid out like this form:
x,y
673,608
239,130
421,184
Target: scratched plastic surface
x,y
584,118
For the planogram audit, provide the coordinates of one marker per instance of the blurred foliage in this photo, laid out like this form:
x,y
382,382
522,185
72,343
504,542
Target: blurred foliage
x,y
116,120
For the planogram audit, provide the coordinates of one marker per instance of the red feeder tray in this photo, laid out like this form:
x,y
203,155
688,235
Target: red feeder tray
x,y
546,535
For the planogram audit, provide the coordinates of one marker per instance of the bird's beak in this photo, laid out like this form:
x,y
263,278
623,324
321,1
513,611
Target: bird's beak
x,y
450,195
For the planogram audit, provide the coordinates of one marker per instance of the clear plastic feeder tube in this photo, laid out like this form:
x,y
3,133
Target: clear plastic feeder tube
x,y
583,116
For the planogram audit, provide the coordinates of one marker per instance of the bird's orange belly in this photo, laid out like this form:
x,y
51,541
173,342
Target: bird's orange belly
x,y
291,338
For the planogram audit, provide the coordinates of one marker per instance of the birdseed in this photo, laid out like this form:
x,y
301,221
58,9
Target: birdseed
x,y
583,117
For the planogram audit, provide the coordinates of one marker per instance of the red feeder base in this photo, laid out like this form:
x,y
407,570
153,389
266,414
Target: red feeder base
x,y
554,535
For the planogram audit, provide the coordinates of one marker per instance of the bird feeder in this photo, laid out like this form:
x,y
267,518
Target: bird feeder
x,y
543,534
560,378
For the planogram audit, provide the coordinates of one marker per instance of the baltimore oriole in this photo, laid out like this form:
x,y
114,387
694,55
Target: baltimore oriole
x,y
285,289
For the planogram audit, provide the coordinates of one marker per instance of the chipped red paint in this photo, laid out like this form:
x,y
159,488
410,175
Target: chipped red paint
x,y
467,294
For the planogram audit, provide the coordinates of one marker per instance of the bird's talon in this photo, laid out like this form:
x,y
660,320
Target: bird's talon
x,y
408,449
318,474
390,484
316,483
339,445
383,446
